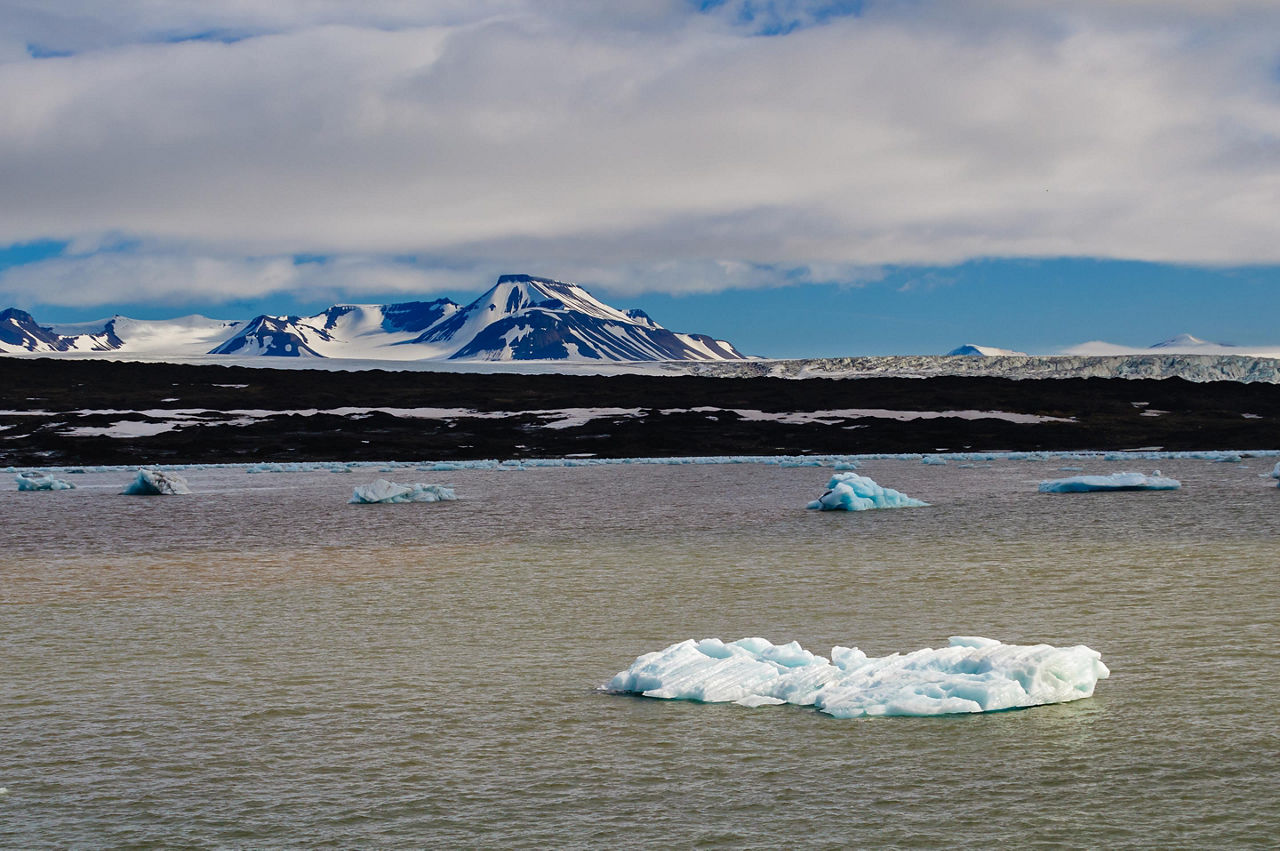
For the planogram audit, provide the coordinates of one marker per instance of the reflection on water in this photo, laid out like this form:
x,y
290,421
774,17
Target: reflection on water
x,y
262,664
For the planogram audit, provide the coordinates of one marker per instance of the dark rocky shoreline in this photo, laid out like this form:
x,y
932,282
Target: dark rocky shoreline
x,y
44,399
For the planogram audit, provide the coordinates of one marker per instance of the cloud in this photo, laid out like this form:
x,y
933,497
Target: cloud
x,y
555,137
180,278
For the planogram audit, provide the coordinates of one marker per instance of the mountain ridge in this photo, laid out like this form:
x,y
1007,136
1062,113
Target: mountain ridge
x,y
521,317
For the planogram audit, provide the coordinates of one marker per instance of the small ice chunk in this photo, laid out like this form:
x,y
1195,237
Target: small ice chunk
x,y
156,482
42,482
973,674
851,492
383,491
933,461
972,641
1113,482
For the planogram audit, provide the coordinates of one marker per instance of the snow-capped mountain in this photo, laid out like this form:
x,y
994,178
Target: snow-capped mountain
x,y
1186,342
527,318
519,318
985,351
20,333
1182,344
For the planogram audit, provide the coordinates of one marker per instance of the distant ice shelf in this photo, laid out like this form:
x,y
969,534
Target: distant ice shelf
x,y
964,460
972,674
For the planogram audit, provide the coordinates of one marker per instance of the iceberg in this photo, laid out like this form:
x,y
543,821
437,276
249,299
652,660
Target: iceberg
x,y
851,492
383,491
156,482
933,460
42,482
972,674
1113,482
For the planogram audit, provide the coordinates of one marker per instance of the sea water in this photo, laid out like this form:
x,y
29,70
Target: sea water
x,y
260,664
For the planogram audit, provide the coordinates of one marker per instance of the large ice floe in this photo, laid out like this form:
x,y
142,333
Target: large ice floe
x,y
155,483
1113,482
851,492
971,675
42,482
383,491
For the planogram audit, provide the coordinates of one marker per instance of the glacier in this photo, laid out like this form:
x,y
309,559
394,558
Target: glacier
x,y
42,482
851,492
971,674
383,491
155,483
1112,482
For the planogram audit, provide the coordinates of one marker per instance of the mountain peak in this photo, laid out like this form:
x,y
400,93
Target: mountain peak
x,y
527,279
1182,340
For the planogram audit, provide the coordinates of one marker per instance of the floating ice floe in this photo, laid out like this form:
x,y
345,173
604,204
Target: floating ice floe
x,y
933,461
1113,482
383,491
851,492
42,482
156,482
971,675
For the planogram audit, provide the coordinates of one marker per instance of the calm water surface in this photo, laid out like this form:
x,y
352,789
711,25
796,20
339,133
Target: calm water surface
x,y
259,664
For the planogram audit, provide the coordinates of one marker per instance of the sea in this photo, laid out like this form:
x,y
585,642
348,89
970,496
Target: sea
x,y
260,664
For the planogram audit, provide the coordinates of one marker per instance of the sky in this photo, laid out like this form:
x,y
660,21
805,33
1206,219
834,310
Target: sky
x,y
801,177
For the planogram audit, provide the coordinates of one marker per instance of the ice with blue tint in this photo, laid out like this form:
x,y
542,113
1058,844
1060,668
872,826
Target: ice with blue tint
x,y
42,482
383,491
972,674
851,492
963,460
157,483
933,461
1113,482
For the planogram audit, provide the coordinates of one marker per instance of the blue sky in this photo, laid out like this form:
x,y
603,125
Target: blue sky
x,y
802,177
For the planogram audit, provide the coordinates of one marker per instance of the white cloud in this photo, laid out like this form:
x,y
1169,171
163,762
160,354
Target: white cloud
x,y
180,278
649,141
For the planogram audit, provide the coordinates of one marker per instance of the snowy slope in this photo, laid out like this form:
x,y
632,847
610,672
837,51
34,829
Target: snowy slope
x,y
1183,344
20,333
185,335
